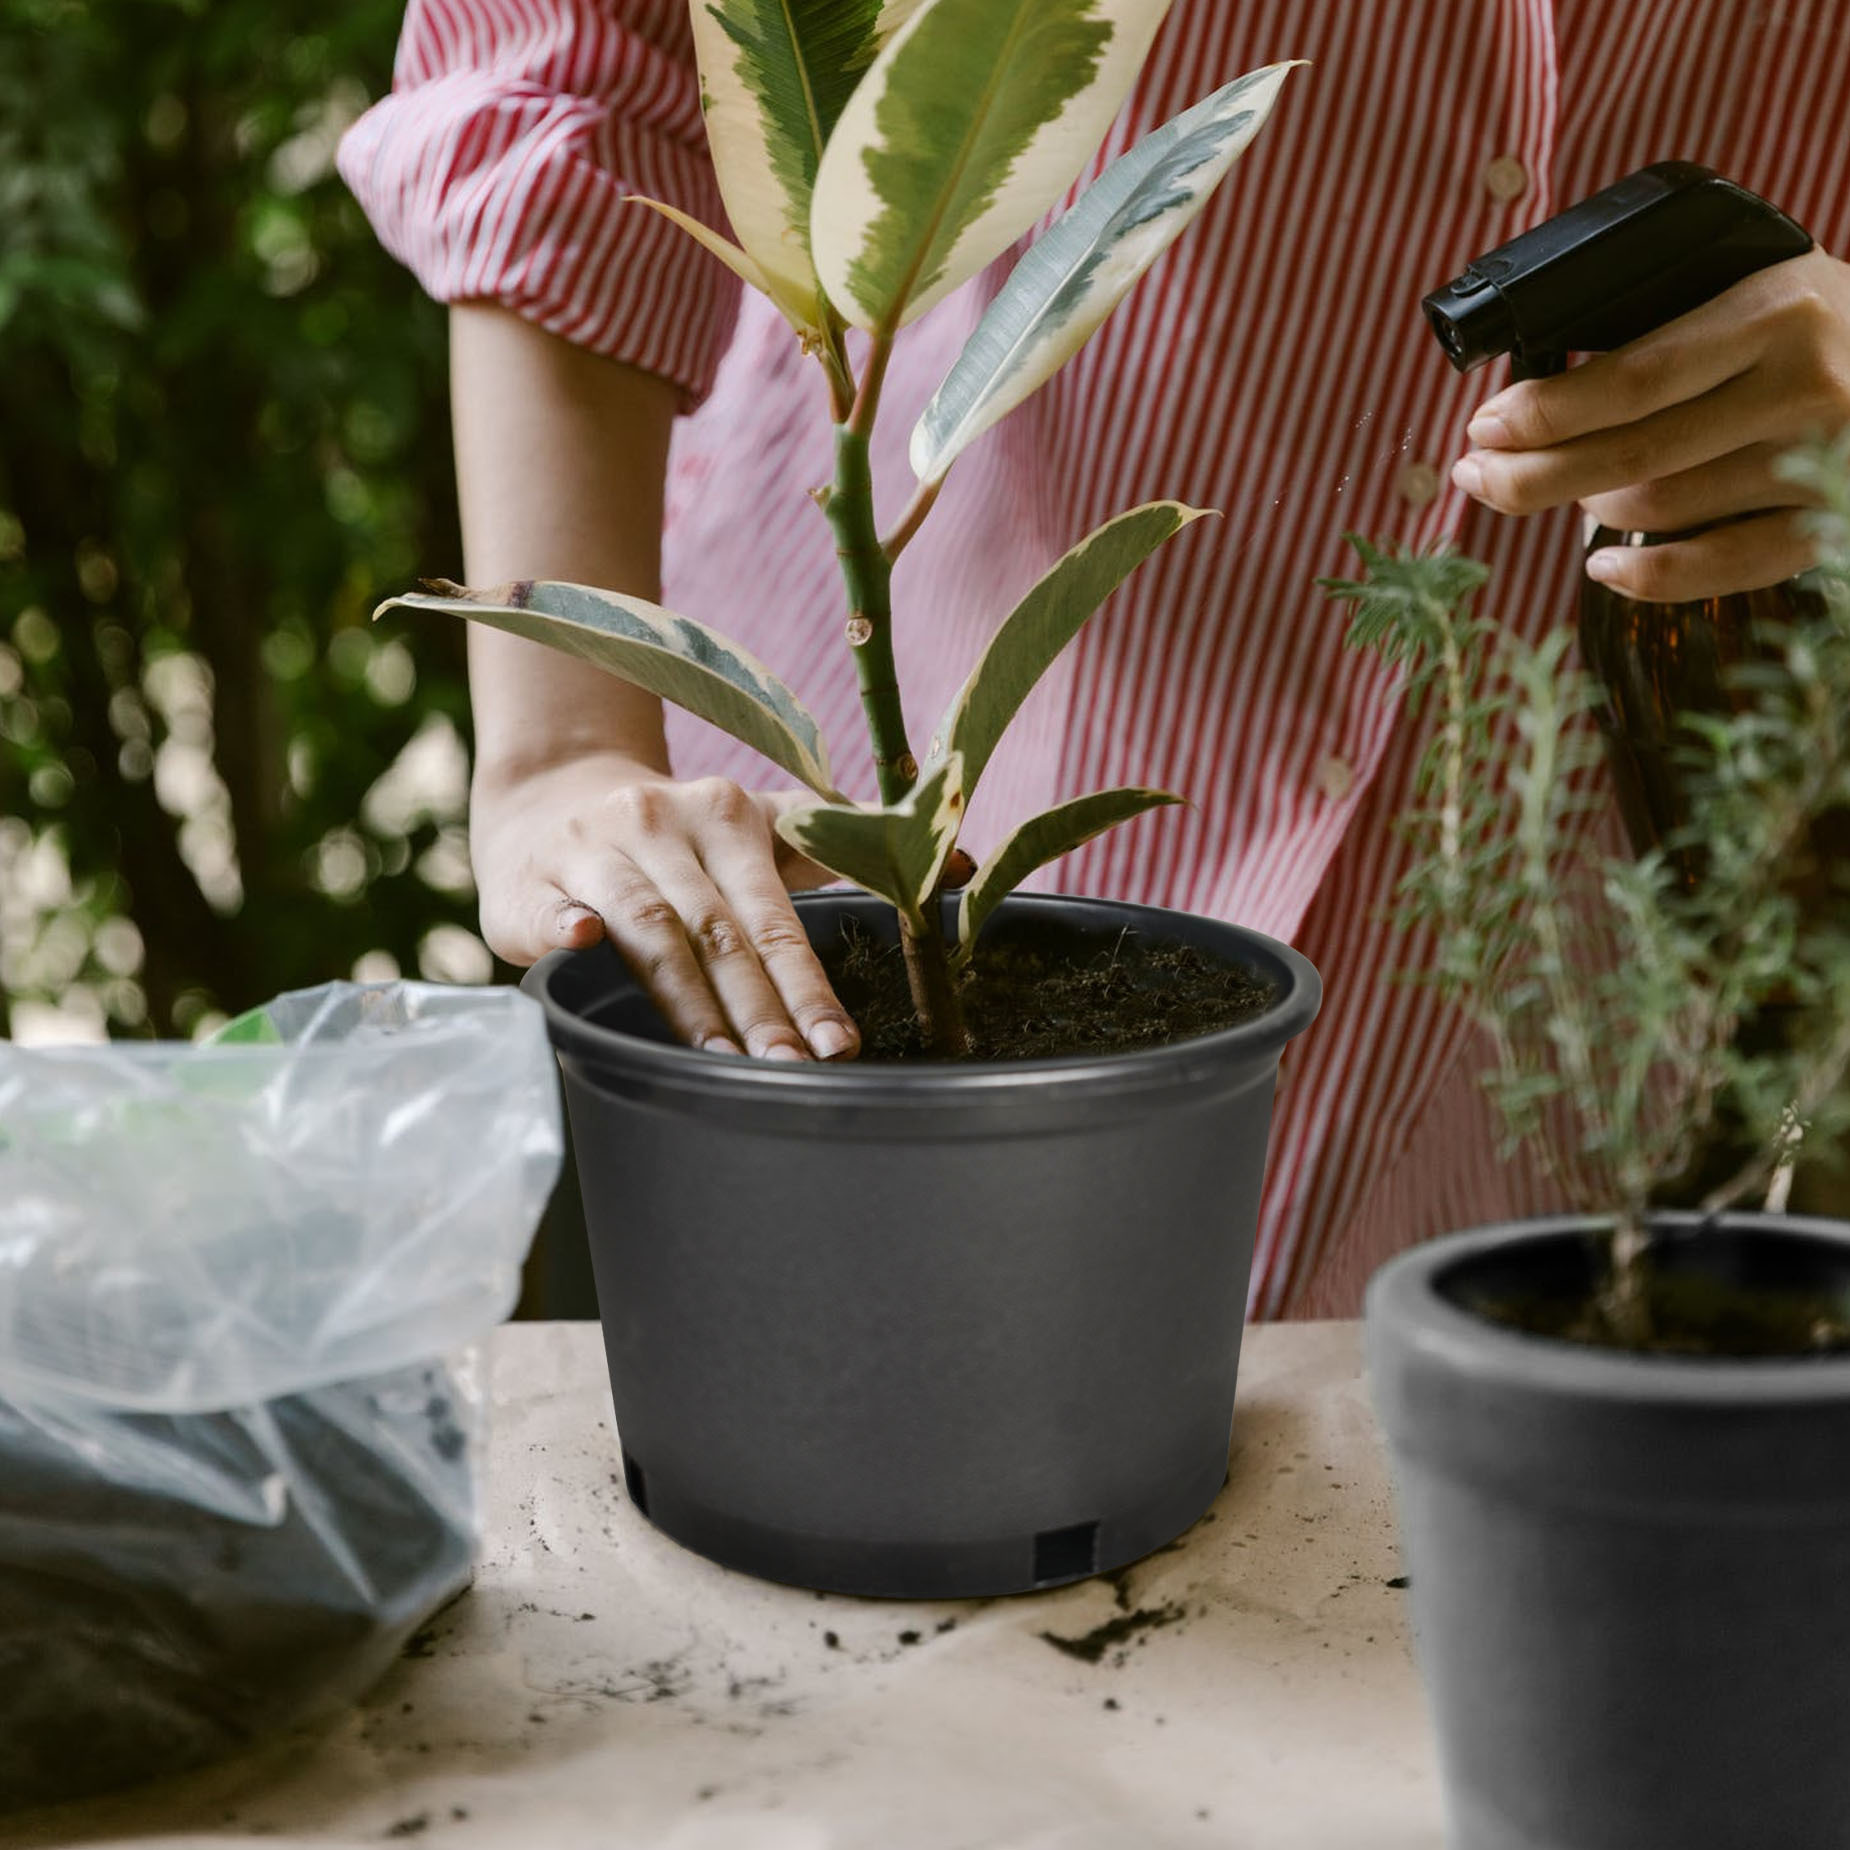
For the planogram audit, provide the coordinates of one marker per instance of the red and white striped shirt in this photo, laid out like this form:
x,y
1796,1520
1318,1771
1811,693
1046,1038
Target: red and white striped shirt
x,y
1274,366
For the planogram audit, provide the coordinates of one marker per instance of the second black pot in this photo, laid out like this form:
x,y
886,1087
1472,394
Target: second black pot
x,y
923,1330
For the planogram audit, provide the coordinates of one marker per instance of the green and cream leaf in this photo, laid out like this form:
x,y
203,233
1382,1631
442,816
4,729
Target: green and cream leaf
x,y
741,263
1041,839
898,852
1076,274
671,656
973,120
1044,622
774,78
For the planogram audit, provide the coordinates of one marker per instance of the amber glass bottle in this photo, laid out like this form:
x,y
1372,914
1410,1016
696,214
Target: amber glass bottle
x,y
1655,663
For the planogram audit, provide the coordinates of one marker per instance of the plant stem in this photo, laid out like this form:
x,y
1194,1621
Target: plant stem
x,y
1826,1073
867,397
867,573
1567,1016
1722,994
921,504
1452,757
832,351
1624,1298
1458,904
934,989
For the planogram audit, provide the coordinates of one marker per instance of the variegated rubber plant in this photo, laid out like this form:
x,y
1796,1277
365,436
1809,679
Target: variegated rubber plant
x,y
873,155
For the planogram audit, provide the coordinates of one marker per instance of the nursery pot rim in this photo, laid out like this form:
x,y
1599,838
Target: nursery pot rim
x,y
1434,1329
1256,1040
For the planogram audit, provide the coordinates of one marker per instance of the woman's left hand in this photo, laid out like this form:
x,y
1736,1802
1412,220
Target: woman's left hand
x,y
1682,427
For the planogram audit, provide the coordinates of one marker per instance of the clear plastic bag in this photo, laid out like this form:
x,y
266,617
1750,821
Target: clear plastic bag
x,y
237,1288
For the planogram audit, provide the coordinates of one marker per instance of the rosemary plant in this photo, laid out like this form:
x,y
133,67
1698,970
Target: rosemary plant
x,y
1611,991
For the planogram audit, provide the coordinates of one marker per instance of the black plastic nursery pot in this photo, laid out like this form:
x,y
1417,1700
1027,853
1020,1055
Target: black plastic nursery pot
x,y
1630,1573
923,1330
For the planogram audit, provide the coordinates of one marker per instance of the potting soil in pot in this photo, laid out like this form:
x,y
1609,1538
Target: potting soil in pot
x,y
1764,1305
173,1587
1051,992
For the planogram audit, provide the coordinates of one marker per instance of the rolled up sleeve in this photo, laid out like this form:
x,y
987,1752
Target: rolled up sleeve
x,y
496,170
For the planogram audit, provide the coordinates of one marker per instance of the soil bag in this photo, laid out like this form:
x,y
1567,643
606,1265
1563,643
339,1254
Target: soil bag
x,y
238,1416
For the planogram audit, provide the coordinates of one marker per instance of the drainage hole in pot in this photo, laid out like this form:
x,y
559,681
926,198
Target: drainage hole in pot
x,y
635,1483
1064,1554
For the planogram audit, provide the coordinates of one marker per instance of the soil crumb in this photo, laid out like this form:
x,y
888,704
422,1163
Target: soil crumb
x,y
1050,994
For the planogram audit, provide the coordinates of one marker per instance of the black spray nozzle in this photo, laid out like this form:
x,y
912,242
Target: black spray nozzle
x,y
1655,245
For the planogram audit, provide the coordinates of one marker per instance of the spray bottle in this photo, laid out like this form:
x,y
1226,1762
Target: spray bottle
x,y
1655,245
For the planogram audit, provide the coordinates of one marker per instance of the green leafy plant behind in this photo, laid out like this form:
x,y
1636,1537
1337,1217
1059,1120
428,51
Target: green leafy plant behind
x,y
872,157
216,455
1612,991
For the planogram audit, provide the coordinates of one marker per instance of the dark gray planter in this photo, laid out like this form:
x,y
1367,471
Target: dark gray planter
x,y
925,1331
1630,1574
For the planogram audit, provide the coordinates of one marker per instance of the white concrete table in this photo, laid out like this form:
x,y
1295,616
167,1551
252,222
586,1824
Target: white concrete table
x,y
602,1689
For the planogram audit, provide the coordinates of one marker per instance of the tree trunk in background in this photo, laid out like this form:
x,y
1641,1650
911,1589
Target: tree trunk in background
x,y
223,430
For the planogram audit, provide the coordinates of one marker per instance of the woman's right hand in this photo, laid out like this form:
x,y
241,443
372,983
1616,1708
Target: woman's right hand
x,y
689,881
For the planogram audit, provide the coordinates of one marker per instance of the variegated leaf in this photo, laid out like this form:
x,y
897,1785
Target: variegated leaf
x,y
744,266
898,852
672,656
1041,839
1086,264
774,76
1044,622
973,121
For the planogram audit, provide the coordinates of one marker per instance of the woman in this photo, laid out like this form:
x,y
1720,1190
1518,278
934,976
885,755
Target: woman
x,y
1274,367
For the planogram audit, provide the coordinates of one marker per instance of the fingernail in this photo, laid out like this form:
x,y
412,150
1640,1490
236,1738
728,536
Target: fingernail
x,y
829,1040
579,927
1604,565
1468,474
1488,431
782,1050
719,1044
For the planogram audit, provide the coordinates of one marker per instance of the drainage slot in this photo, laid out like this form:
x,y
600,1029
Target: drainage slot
x,y
635,1483
1061,1554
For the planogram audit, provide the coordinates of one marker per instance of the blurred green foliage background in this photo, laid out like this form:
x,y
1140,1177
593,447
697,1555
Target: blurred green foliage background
x,y
223,435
